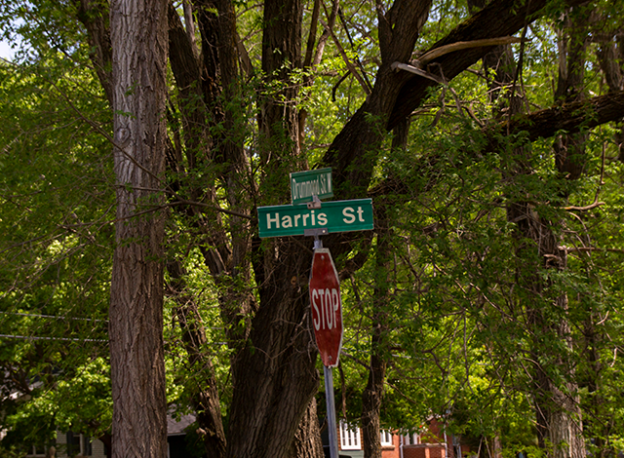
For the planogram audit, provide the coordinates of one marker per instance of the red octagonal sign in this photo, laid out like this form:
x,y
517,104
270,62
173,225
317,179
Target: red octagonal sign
x,y
326,306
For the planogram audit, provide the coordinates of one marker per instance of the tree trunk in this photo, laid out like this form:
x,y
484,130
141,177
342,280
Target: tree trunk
x,y
203,384
380,356
557,412
596,428
275,376
372,395
308,442
565,424
281,53
139,42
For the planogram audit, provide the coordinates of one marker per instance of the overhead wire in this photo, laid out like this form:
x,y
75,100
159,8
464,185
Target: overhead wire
x,y
9,336
56,317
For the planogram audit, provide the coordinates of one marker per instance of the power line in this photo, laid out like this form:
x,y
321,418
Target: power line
x,y
56,317
66,339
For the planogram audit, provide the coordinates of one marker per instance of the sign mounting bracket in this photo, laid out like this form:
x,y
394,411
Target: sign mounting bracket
x,y
316,232
316,203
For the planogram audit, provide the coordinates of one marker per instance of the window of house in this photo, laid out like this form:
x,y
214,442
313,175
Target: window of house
x,y
411,439
349,437
386,438
78,444
85,445
36,450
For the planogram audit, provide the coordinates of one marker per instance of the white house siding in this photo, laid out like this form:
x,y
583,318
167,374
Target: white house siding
x,y
97,447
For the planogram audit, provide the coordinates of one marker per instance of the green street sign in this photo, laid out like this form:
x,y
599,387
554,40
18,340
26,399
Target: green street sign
x,y
335,216
304,185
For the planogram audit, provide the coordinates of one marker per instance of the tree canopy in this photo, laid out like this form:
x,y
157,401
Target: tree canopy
x,y
133,158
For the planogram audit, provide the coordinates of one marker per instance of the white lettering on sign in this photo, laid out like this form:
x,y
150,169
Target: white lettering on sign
x,y
273,220
349,217
305,220
325,303
317,186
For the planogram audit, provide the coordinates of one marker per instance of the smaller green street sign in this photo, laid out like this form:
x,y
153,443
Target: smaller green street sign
x,y
304,185
335,216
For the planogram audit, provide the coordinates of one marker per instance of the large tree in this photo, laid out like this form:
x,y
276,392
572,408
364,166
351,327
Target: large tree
x,y
198,149
138,34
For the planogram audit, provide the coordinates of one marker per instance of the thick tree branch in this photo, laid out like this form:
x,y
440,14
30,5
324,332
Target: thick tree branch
x,y
307,60
190,26
433,54
93,14
186,71
571,117
362,135
499,19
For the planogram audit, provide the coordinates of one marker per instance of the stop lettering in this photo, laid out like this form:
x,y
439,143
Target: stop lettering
x,y
326,306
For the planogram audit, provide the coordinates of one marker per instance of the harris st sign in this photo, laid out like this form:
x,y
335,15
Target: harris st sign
x,y
335,216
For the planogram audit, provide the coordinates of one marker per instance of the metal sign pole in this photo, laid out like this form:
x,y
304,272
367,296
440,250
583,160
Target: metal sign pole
x,y
332,428
314,220
331,412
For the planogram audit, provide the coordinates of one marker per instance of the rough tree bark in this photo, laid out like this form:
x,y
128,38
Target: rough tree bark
x,y
139,43
274,375
308,442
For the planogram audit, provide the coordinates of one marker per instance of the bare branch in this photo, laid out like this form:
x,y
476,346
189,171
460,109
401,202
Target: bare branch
x,y
346,60
585,208
418,71
460,45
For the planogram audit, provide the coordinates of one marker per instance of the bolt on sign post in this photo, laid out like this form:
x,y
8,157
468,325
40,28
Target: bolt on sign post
x,y
318,218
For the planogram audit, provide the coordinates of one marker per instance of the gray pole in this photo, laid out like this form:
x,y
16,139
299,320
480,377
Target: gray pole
x,y
332,428
331,412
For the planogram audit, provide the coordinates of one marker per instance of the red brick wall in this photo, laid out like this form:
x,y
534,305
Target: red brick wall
x,y
395,450
424,451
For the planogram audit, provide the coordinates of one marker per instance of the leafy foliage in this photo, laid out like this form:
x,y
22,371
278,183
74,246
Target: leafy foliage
x,y
462,284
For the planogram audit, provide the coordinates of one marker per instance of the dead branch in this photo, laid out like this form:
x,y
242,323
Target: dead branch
x,y
460,45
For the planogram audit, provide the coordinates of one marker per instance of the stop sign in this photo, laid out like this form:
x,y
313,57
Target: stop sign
x,y
326,306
